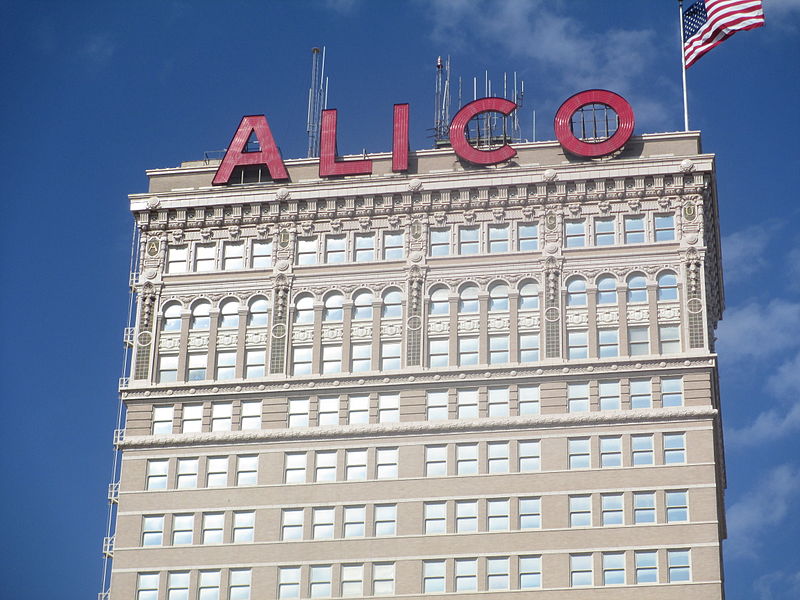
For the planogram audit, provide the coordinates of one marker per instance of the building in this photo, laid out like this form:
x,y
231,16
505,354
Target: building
x,y
480,381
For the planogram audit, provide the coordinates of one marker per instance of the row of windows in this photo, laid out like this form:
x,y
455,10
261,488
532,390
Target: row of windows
x,y
611,568
256,311
212,529
204,256
207,584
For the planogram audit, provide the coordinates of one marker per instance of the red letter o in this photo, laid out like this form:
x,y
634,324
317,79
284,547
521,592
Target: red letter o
x,y
572,144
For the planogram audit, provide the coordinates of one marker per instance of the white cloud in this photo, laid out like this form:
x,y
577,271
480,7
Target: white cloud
x,y
759,331
777,586
769,425
745,252
749,519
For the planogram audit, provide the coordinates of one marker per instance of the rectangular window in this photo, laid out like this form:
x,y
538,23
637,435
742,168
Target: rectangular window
x,y
497,453
182,526
575,231
187,473
288,582
307,250
247,470
678,566
466,574
322,523
468,240
497,573
498,349
467,350
638,340
436,406
530,572
612,509
498,238
226,365
167,369
609,395
613,568
295,467
610,451
677,506
354,521
334,249
298,412
332,358
383,579
251,415
435,461
292,524
466,516
434,515
328,411
634,230
432,576
644,507
156,474
580,511
579,456
529,400
239,585
212,528
385,520
604,232
204,257
390,356
208,585
365,247
255,363
669,338
152,530
608,343
361,355
197,365
357,410
325,467
386,463
674,448
528,347
577,345
147,586
232,256
319,581
466,459
388,408
498,402
440,241
528,237
162,419
578,397
352,581
646,566
243,526
641,393
221,416
642,449
301,360
580,570
665,228
439,352
217,471
530,456
177,259
355,465
671,391
467,404
497,515
393,245
530,513
262,255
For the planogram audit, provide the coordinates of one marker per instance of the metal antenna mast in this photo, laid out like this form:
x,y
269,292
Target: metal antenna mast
x,y
317,100
441,114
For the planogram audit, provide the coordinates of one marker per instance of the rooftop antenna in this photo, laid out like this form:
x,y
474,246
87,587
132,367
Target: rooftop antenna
x,y
317,100
441,115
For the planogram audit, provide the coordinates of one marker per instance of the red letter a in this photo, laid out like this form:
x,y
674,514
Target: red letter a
x,y
236,155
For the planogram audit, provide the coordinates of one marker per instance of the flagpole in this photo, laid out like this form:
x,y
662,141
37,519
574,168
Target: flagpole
x,y
683,68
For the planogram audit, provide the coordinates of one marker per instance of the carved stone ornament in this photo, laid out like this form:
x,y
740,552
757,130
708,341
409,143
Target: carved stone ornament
x,y
153,247
149,273
499,215
415,256
527,212
177,236
394,221
604,206
574,209
414,185
469,216
550,175
262,230
635,205
282,193
305,227
336,225
282,265
153,202
364,223
440,218
234,231
687,165
205,233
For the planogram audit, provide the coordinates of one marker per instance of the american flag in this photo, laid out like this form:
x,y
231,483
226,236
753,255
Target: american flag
x,y
707,23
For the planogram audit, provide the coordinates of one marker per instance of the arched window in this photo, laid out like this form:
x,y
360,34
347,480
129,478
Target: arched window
x,y
576,292
333,308
304,310
498,298
172,317
468,300
201,318
637,288
529,296
229,314
392,304
440,304
607,290
362,306
259,312
667,286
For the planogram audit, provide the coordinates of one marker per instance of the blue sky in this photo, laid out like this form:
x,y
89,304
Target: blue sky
x,y
97,92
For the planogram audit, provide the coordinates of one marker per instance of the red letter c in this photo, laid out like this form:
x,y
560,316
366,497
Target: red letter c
x,y
458,135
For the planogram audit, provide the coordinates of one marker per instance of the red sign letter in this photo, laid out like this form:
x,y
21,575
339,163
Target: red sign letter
x,y
571,143
328,165
236,154
400,138
458,136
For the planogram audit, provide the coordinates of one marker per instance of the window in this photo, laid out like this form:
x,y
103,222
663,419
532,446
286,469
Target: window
x,y
393,245
578,450
361,357
208,585
288,582
167,369
642,448
576,292
355,465
467,403
434,515
334,249
247,470
497,515
466,574
530,572
239,586
580,511
529,400
604,232
432,576
304,310
332,358
388,408
468,240
298,412
528,347
301,360
325,468
641,393
580,570
498,349
357,410
217,471
439,352
669,338
255,363
383,579
221,416
251,415
307,250
528,237
212,528
226,365
665,228
467,350
176,259
243,526
468,300
530,456
634,230
147,586
609,395
578,397
610,451
386,463
677,506
674,448
362,306
328,411
498,402
322,523
292,524
637,289
498,298
295,467
577,344
182,526
262,254
201,317
646,566
529,296
575,233
392,304
385,519
613,568
365,247
608,343
162,419
187,473
530,513
612,509
354,519
497,453
667,286
498,238
466,459
638,340
678,567
466,516
440,304
178,585
172,318
333,312
435,461
497,573
440,241
232,256
229,314
204,257
352,581
671,391
153,530
390,356
319,581
606,290
644,507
